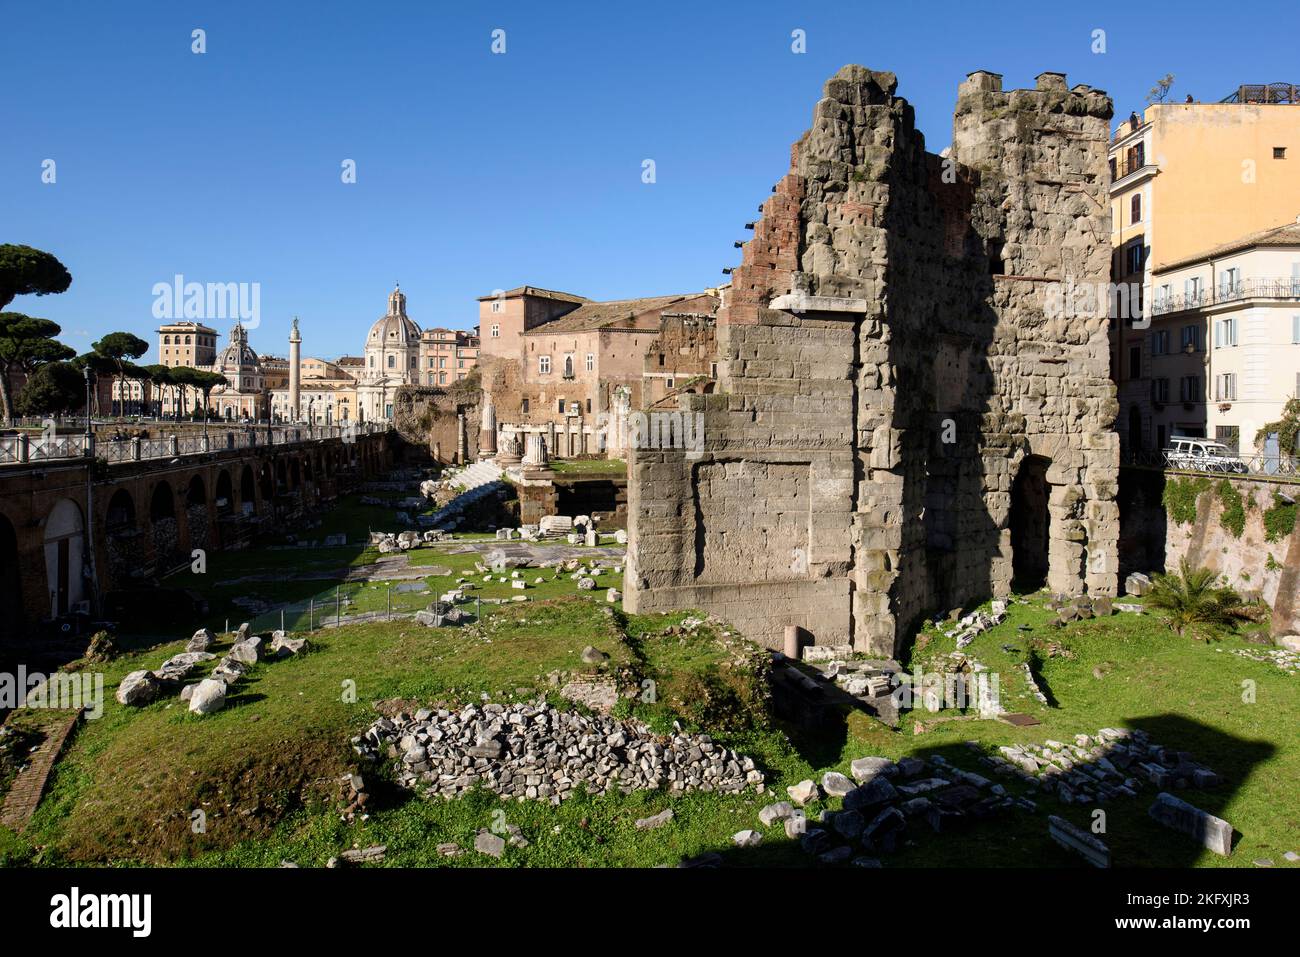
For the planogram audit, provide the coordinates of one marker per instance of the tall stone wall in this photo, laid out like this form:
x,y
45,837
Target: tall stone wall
x,y
889,379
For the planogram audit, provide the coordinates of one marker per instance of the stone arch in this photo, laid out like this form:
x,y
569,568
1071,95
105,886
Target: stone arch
x,y
165,528
1030,524
247,487
196,512
121,537
224,499
11,589
64,547
267,483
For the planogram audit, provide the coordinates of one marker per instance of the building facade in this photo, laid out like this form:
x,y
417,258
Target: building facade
x,y
566,366
1223,349
1188,179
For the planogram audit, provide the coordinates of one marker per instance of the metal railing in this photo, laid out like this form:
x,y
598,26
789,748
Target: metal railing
x,y
24,448
1283,288
1263,465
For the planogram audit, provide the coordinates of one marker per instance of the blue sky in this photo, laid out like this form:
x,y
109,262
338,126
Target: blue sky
x,y
478,171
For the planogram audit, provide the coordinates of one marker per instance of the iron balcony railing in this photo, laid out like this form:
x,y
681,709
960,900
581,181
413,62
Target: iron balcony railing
x,y
1287,288
23,448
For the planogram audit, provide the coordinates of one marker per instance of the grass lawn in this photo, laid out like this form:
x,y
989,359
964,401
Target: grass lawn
x,y
264,770
588,467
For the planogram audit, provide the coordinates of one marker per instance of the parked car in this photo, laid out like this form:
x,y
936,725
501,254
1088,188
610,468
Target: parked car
x,y
1203,455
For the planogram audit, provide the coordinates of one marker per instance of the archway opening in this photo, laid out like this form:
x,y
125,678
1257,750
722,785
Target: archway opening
x,y
225,500
247,490
11,593
64,541
1030,524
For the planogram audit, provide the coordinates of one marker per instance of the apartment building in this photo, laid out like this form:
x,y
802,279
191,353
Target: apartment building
x,y
557,363
1189,181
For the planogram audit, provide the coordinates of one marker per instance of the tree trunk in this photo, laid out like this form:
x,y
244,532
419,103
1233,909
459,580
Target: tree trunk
x,y
6,400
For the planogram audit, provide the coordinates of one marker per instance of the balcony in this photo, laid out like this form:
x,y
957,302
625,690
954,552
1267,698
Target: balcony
x,y
1286,289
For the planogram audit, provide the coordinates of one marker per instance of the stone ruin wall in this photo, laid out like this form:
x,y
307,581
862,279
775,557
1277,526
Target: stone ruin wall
x,y
886,367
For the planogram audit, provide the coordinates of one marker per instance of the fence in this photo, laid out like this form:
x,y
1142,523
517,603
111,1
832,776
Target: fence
x,y
1270,466
347,603
24,448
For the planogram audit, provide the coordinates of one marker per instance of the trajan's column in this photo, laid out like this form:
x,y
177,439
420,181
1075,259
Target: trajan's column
x,y
295,371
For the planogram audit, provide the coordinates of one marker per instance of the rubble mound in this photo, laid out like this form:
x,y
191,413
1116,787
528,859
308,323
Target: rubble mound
x,y
540,752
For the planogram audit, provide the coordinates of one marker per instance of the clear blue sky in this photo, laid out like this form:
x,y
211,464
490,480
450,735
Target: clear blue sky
x,y
478,171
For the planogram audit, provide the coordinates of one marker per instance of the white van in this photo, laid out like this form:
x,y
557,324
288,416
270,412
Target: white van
x,y
1202,455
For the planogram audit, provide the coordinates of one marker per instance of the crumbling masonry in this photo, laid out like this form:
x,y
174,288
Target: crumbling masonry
x,y
900,425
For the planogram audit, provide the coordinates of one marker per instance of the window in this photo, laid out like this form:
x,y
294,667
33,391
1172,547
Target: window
x,y
544,365
568,367
1160,342
442,378
1225,387
1279,152
525,406
1190,389
430,362
1162,297
442,362
1191,341
372,362
1193,289
1134,258
560,406
1134,363
496,330
670,382
1159,390
1229,435
1225,333
591,361
496,307
1135,208
388,411
1229,282
392,362
589,406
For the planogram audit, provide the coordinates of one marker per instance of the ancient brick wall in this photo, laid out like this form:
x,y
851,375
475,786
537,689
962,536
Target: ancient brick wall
x,y
889,380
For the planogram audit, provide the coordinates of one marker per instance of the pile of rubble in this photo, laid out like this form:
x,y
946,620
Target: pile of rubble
x,y
388,542
1284,658
535,751
576,530
976,623
878,805
143,687
1096,768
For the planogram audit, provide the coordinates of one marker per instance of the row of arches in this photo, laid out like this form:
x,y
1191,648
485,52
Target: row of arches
x,y
150,524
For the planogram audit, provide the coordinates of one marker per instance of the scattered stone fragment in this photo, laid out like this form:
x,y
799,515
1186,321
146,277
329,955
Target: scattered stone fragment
x,y
138,688
775,812
1211,832
655,820
836,784
209,695
1072,838
747,838
803,792
485,842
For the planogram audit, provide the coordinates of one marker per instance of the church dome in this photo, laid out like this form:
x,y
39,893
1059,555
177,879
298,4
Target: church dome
x,y
238,355
394,329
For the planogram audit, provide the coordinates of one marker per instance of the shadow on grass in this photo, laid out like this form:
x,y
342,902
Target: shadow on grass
x,y
974,831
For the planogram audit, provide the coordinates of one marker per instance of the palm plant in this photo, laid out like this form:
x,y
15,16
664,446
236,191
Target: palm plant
x,y
1193,600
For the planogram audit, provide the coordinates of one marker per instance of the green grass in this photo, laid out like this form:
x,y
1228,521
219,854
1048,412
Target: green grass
x,y
592,467
265,769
